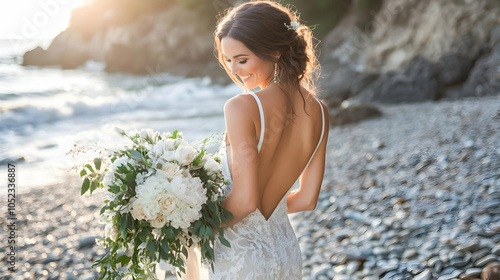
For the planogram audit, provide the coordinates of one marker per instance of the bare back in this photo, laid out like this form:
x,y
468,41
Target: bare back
x,y
288,142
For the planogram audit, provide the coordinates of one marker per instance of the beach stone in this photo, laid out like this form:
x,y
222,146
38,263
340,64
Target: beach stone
x,y
480,254
410,253
486,260
86,241
424,275
496,250
449,276
471,273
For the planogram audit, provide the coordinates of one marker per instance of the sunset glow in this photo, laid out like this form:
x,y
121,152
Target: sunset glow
x,y
34,19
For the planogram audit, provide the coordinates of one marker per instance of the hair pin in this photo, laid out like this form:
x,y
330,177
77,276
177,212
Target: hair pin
x,y
292,26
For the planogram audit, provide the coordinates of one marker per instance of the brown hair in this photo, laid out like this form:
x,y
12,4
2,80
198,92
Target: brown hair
x,y
260,26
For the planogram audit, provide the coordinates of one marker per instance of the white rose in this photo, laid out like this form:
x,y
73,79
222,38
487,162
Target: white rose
x,y
168,203
137,211
146,133
159,221
185,153
166,135
169,170
111,231
211,165
168,156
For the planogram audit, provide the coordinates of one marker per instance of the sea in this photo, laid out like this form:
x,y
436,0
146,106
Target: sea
x,y
45,111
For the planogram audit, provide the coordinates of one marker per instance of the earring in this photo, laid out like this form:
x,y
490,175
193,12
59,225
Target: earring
x,y
275,72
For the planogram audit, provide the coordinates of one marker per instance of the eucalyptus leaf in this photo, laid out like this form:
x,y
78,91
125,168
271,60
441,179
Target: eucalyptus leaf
x,y
83,173
97,163
136,155
90,168
85,185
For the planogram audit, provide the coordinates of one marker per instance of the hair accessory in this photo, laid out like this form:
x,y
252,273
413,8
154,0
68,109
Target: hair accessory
x,y
275,72
292,26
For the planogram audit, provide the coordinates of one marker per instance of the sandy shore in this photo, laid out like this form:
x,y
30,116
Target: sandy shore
x,y
409,165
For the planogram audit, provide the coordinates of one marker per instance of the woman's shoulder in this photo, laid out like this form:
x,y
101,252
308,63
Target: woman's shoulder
x,y
239,105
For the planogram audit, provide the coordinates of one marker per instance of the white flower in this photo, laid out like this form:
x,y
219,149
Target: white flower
x,y
146,133
159,221
211,165
166,135
191,196
145,206
169,170
168,203
292,26
119,161
185,153
111,231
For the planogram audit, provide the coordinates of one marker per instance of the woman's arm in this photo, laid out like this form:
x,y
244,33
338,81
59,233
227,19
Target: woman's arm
x,y
306,197
243,198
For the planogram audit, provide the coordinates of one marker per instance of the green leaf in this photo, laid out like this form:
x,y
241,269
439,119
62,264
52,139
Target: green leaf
x,y
83,173
143,236
97,163
202,230
151,247
136,155
123,259
211,232
123,226
85,185
164,246
212,207
169,232
114,189
184,251
199,158
174,134
93,186
224,241
104,209
158,166
90,168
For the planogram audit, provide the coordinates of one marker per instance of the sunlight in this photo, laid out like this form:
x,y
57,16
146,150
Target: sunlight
x,y
35,19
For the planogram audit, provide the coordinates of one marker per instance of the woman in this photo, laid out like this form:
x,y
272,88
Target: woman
x,y
273,136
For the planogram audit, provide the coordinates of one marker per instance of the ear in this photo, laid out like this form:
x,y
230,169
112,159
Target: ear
x,y
277,55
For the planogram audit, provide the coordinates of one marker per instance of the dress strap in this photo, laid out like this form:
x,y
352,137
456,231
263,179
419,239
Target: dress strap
x,y
322,132
262,122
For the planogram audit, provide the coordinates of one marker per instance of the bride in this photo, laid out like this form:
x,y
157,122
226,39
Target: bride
x,y
273,136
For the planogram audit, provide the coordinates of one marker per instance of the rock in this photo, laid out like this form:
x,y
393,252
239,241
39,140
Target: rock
x,y
453,69
337,85
86,241
321,270
417,83
491,271
483,79
471,273
424,275
496,250
410,253
449,276
468,247
495,36
352,113
486,260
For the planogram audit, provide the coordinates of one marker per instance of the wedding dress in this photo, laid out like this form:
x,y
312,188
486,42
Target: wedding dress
x,y
260,248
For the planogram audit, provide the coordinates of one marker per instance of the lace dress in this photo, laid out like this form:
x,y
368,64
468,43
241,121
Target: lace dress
x,y
260,249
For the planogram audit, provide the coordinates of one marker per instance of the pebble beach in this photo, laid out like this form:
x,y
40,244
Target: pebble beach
x,y
414,194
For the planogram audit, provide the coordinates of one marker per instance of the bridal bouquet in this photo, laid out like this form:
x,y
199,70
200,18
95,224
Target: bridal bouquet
x,y
161,195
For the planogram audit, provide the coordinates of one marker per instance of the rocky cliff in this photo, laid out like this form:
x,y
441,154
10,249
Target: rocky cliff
x,y
412,51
